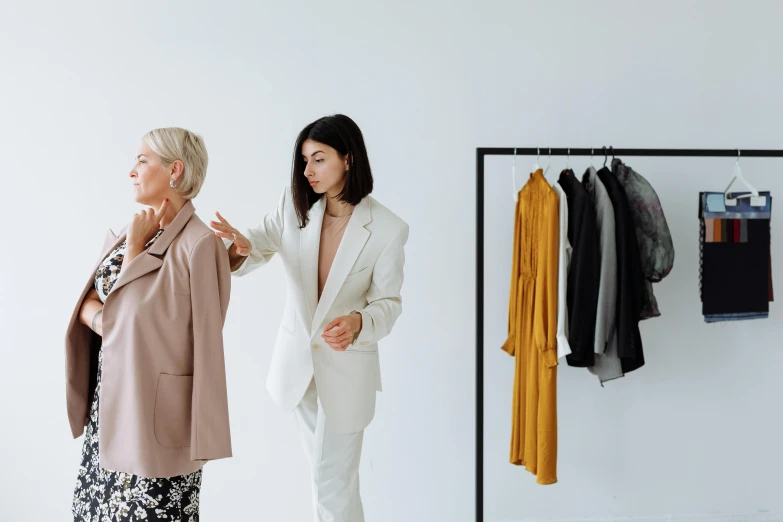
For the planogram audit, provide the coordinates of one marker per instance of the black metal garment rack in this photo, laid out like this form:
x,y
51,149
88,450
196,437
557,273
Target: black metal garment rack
x,y
481,153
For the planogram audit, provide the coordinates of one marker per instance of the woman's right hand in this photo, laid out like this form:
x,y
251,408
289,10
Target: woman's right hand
x,y
225,230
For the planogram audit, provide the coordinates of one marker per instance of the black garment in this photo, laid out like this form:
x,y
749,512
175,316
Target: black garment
x,y
630,280
656,247
583,274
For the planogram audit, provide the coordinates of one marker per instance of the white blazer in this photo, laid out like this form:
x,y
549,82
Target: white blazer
x,y
366,276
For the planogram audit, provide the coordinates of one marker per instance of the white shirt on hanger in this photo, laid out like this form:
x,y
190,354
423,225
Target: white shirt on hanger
x,y
563,263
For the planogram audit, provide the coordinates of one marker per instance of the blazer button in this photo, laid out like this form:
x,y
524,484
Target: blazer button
x,y
364,343
315,346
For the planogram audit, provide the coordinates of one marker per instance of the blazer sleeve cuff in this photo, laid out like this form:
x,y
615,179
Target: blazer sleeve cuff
x,y
365,336
563,348
241,268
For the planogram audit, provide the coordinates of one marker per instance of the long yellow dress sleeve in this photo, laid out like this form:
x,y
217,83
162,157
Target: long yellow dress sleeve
x,y
532,336
510,345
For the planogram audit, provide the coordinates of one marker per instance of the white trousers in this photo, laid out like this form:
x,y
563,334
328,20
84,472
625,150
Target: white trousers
x,y
334,463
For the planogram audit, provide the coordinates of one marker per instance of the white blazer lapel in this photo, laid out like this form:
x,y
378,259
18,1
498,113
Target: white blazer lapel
x,y
351,245
309,248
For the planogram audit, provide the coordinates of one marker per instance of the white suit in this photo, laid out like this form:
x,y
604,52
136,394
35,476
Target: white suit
x,y
366,275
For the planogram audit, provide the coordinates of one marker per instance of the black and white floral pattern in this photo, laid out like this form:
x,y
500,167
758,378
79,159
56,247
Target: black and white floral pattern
x,y
103,495
109,269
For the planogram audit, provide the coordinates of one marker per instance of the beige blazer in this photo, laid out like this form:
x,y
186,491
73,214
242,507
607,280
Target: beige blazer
x,y
163,409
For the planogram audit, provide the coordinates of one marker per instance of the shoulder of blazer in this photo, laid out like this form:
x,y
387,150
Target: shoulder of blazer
x,y
194,230
384,224
286,205
380,213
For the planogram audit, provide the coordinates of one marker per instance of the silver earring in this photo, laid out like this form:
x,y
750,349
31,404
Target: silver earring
x,y
171,184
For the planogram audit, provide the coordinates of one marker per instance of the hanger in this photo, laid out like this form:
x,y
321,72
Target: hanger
x,y
611,150
549,163
567,169
605,155
592,151
538,154
755,199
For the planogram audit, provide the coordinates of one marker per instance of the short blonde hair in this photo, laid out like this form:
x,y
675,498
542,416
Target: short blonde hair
x,y
173,143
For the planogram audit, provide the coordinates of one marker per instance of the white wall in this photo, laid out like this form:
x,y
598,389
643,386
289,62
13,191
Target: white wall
x,y
427,82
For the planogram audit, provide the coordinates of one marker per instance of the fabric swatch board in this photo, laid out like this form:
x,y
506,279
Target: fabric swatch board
x,y
735,273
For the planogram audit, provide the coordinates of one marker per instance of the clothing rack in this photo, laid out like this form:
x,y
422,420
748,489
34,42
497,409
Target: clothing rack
x,y
481,153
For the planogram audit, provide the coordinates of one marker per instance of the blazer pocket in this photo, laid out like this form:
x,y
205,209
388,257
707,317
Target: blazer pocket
x,y
364,352
353,348
173,401
353,275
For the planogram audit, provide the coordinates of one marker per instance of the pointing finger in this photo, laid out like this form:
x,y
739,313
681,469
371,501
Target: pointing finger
x,y
162,210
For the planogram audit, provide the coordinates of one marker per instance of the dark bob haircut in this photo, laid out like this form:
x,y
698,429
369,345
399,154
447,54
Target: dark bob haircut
x,y
342,134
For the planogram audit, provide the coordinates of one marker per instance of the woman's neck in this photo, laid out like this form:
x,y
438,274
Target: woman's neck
x,y
337,208
175,205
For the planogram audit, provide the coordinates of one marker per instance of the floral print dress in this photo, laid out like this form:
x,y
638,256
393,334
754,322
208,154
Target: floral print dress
x,y
103,495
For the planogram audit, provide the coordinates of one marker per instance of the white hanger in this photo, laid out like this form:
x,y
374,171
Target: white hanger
x,y
755,199
568,158
514,176
592,151
548,163
538,154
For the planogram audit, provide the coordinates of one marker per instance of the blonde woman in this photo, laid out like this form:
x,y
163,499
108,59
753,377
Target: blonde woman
x,y
144,348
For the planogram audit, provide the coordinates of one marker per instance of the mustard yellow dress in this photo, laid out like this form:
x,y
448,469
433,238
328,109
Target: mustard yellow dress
x,y
532,328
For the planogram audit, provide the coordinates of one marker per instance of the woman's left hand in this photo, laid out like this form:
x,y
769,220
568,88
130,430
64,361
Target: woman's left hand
x,y
339,333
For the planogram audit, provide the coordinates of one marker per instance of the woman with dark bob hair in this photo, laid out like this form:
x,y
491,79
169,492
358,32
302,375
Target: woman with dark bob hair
x,y
343,254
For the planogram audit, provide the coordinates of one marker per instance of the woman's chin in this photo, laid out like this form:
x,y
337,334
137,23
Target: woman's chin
x,y
142,200
146,199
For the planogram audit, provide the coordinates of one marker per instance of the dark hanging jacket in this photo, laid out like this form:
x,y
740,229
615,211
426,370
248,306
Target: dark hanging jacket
x,y
583,274
630,280
656,248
